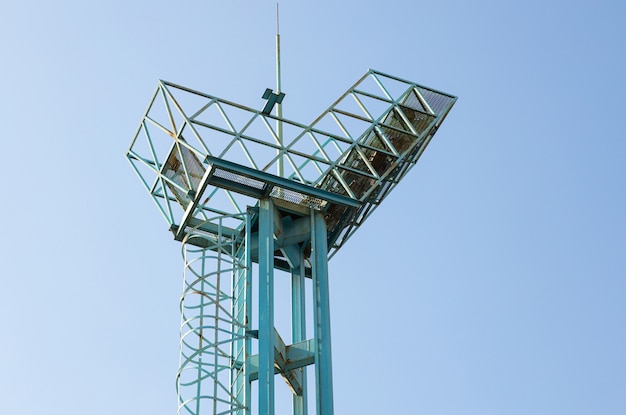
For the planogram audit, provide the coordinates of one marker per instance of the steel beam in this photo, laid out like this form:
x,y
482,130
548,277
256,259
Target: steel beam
x,y
298,325
321,315
248,313
269,181
266,307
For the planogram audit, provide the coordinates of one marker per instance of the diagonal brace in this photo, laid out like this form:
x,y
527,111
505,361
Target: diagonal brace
x,y
288,360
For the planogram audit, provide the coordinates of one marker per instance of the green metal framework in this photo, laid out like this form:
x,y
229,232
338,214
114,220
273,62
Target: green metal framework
x,y
208,163
359,148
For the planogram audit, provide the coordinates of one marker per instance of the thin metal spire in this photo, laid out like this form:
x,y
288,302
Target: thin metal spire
x,y
277,20
279,109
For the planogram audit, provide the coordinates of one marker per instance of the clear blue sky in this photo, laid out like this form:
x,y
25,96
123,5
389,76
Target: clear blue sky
x,y
491,281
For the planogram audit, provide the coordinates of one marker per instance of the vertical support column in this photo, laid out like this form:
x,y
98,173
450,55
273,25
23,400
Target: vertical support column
x,y
240,327
321,314
248,313
298,326
266,307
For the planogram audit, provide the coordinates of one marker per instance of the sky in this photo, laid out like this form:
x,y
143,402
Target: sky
x,y
491,281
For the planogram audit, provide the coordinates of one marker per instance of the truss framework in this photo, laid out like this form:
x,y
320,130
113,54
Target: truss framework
x,y
358,149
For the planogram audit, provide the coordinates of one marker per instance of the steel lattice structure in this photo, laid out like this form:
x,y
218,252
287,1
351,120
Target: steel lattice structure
x,y
208,162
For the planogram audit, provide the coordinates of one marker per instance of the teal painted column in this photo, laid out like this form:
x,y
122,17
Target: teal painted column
x,y
248,314
298,327
239,386
321,315
266,307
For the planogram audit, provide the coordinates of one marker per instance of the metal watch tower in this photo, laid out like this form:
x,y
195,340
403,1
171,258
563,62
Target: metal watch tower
x,y
208,165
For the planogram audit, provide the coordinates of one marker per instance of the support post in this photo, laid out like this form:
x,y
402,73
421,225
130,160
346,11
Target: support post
x,y
248,315
240,347
266,307
298,326
321,315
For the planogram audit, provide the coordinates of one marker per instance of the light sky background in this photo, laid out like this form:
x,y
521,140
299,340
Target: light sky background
x,y
491,281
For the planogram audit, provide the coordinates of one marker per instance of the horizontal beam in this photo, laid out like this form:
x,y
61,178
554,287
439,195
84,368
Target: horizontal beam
x,y
194,224
270,182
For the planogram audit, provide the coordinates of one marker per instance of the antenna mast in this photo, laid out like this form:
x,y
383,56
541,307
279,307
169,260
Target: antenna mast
x,y
279,109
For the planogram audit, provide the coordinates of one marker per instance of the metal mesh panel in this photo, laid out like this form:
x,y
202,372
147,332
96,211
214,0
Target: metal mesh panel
x,y
438,102
237,178
184,169
412,101
418,119
298,198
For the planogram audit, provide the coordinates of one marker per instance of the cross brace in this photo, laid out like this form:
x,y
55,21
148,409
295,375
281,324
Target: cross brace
x,y
288,361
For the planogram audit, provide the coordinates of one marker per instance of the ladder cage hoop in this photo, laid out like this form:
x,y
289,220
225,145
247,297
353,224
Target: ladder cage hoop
x,y
213,326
